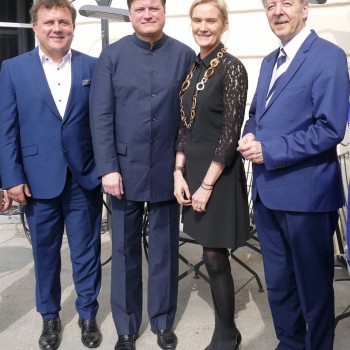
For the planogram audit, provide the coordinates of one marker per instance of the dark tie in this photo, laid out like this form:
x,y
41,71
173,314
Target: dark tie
x,y
280,61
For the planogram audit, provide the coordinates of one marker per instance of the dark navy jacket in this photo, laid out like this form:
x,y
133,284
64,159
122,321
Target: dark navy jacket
x,y
134,108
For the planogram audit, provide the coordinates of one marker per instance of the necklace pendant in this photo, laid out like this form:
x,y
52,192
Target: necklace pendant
x,y
200,86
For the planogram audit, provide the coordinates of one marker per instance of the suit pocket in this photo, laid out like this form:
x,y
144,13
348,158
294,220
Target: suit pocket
x,y
121,148
29,151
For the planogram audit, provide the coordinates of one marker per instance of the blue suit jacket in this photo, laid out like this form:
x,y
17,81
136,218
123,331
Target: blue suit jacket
x,y
300,129
36,144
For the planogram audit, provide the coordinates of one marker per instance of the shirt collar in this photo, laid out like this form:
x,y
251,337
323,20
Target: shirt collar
x,y
66,58
206,60
292,47
147,45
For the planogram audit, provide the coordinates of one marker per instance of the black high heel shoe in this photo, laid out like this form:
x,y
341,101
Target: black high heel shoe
x,y
238,340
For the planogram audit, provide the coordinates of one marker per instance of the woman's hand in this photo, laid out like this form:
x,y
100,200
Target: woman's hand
x,y
5,201
200,199
181,190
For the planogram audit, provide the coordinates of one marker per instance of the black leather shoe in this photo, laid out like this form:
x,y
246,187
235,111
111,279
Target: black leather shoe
x,y
126,342
91,337
166,339
50,338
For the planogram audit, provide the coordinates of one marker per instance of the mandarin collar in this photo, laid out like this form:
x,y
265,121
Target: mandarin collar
x,y
206,60
149,46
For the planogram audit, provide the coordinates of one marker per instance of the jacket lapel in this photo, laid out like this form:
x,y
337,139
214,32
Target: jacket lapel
x,y
76,72
266,75
298,60
41,83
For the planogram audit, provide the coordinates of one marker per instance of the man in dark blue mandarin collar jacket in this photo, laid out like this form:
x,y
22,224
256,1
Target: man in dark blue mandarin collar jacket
x,y
134,108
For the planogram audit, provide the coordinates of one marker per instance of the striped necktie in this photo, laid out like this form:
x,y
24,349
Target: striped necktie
x,y
279,73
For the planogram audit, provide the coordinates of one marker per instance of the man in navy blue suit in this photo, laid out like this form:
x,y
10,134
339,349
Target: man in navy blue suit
x,y
47,163
134,103
297,118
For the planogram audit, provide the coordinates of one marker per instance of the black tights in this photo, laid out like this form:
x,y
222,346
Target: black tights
x,y
222,289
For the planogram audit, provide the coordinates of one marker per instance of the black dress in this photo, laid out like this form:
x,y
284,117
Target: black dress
x,y
214,136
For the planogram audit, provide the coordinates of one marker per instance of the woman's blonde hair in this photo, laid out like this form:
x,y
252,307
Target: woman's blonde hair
x,y
220,4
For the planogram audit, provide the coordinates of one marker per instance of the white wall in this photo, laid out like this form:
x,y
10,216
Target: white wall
x,y
249,37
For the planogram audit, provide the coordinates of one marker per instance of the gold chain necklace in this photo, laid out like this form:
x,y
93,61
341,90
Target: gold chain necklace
x,y
200,86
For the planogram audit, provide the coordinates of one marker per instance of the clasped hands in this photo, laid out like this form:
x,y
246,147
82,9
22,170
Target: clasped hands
x,y
251,149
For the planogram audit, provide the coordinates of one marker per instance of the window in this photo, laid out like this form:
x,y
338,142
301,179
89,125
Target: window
x,y
16,34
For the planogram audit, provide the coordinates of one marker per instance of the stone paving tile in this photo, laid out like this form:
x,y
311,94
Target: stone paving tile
x,y
20,325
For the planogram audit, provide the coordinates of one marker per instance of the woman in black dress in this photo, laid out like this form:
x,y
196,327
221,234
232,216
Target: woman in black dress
x,y
209,174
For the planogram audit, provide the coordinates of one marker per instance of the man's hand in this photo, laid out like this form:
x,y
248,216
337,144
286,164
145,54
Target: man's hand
x,y
246,139
5,201
181,190
251,149
19,193
112,184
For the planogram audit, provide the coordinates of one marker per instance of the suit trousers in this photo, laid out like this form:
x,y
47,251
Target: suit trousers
x,y
298,258
80,211
163,264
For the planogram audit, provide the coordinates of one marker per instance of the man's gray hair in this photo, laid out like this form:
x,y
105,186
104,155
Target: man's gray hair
x,y
302,1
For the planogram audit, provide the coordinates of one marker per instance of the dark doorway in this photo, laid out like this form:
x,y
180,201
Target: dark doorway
x,y
16,35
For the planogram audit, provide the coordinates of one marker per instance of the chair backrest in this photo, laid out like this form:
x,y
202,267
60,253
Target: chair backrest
x,y
343,229
249,175
345,173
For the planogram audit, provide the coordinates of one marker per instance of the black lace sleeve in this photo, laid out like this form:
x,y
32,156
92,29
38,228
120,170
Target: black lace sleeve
x,y
181,137
235,86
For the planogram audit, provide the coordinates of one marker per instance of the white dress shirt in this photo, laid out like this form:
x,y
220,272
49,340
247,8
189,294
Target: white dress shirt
x,y
291,50
59,78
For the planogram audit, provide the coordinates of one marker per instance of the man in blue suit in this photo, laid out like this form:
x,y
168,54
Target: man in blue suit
x,y
47,163
297,118
134,103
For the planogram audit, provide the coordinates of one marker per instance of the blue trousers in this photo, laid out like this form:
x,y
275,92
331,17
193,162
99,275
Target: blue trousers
x,y
298,260
80,211
163,264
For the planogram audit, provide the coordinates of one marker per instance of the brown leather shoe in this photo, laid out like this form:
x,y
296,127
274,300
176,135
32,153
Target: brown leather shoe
x,y
91,337
50,338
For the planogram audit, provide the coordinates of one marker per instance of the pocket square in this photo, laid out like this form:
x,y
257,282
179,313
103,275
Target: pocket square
x,y
86,82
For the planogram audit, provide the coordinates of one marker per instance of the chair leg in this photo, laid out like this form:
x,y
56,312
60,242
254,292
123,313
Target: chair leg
x,y
192,268
251,246
342,316
256,276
